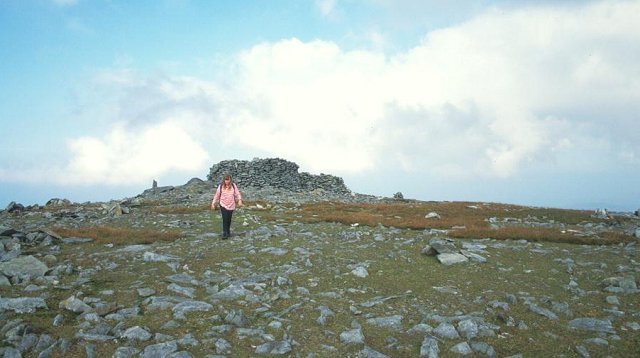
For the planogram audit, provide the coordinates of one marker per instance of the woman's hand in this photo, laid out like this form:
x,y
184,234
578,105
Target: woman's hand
x,y
240,204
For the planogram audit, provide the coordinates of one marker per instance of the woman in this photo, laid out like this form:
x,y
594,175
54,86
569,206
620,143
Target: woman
x,y
226,194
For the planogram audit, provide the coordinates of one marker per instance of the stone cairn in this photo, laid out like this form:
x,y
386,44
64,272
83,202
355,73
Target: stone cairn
x,y
275,173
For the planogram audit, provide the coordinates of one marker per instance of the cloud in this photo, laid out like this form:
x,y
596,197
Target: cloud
x,y
126,157
486,97
326,7
509,91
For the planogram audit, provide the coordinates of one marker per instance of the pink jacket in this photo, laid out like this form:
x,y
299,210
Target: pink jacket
x,y
227,197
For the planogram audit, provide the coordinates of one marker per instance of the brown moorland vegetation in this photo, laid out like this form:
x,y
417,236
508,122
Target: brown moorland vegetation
x,y
466,220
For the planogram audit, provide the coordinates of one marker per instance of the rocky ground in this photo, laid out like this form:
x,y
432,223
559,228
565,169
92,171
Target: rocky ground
x,y
280,287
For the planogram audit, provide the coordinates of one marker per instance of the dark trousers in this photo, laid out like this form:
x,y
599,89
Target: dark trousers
x,y
226,221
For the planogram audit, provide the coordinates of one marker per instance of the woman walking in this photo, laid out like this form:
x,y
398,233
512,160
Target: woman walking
x,y
226,195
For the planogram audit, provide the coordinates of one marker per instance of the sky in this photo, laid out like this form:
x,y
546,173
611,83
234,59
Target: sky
x,y
534,103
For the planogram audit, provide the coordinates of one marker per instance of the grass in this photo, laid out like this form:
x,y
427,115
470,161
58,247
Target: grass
x,y
396,268
120,235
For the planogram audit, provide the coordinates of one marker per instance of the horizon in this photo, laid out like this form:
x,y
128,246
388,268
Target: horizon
x,y
506,101
88,195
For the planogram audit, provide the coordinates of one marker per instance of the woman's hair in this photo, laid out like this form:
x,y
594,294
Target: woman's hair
x,y
225,177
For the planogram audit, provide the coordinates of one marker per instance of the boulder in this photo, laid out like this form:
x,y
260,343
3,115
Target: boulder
x,y
22,266
452,258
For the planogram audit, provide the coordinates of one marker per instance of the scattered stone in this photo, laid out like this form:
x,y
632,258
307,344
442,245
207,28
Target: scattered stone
x,y
353,336
451,259
22,304
592,324
159,350
429,347
325,314
484,349
182,308
542,311
360,272
446,330
73,304
23,267
391,322
274,348
462,349
136,333
432,215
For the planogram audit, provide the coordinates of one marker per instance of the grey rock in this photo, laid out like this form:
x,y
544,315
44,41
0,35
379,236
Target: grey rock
x,y
153,257
462,348
473,257
182,308
58,320
183,278
484,349
76,240
353,336
187,291
443,246
511,298
325,314
274,348
73,304
22,304
420,328
391,322
237,318
498,304
360,272
446,330
188,340
125,352
592,324
633,325
136,333
23,266
468,328
159,350
368,352
583,351
429,347
222,346
277,251
231,293
10,352
146,292
452,258
28,341
94,337
613,300
561,307
432,215
542,311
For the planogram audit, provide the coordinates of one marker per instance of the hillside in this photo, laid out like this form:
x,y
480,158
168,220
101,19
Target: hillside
x,y
315,273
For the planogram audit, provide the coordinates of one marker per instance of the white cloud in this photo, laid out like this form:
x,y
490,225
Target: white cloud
x,y
479,95
326,7
126,157
508,90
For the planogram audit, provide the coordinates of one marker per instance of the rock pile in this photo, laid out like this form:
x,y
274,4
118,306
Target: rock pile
x,y
275,173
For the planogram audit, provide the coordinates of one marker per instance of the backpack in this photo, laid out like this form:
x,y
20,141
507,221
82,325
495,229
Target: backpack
x,y
233,185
